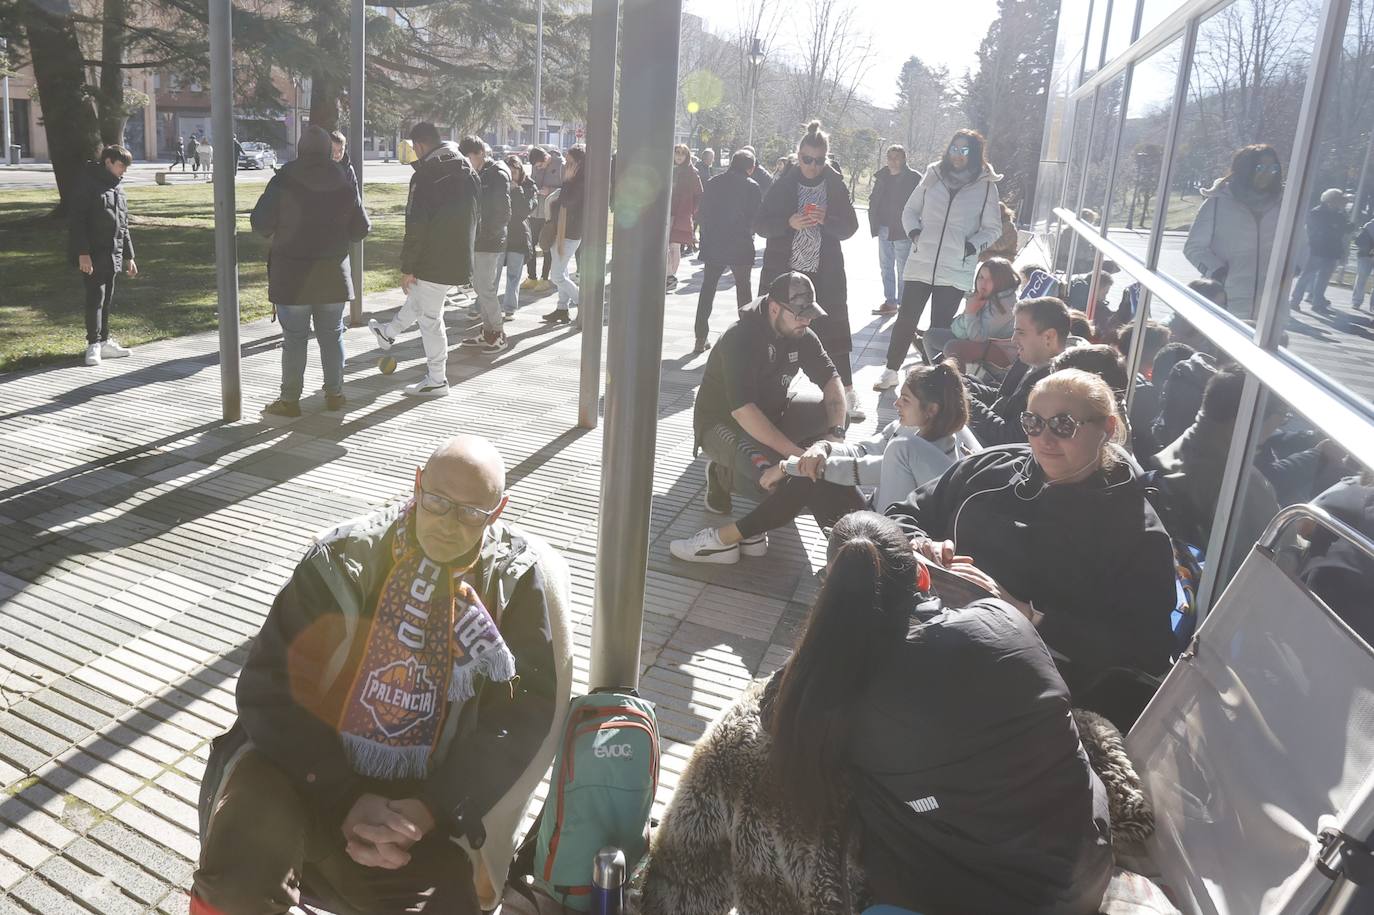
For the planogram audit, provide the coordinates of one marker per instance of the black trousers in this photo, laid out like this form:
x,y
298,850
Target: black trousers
x,y
99,296
710,277
914,298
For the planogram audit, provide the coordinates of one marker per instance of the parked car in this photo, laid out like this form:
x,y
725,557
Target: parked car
x,y
257,155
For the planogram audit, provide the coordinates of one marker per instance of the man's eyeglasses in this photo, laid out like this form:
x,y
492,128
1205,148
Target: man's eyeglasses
x,y
443,506
960,150
1061,425
810,160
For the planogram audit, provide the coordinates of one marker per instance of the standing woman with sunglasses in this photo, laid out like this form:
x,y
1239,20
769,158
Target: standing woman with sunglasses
x,y
1064,530
953,214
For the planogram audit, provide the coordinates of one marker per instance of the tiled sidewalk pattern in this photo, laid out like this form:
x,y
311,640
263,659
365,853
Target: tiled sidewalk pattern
x,y
142,542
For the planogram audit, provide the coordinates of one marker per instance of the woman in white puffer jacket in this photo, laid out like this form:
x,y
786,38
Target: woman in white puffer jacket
x,y
952,215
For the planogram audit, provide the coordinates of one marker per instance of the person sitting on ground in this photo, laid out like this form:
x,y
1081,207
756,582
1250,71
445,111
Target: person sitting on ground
x,y
856,775
402,687
1080,327
1181,393
1145,399
1040,332
746,420
1064,529
987,316
929,434
1096,359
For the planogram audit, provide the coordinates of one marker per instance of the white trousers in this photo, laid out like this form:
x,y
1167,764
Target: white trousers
x,y
424,305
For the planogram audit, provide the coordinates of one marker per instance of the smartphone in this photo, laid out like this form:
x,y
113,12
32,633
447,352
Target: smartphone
x,y
810,209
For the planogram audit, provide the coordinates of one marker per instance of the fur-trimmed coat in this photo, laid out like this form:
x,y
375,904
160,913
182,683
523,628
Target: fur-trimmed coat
x,y
723,843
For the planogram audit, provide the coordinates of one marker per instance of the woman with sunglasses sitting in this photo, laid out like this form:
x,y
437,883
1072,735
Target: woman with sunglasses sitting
x,y
1063,528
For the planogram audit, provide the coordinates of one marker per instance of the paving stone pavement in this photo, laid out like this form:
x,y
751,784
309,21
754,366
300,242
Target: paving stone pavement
x,y
142,542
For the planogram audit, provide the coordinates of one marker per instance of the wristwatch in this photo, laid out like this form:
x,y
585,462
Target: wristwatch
x,y
837,431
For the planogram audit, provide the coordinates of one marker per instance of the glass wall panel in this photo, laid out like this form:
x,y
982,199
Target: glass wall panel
x,y
1070,42
1141,152
1101,150
1078,158
1329,330
1245,87
1094,48
1155,12
1119,25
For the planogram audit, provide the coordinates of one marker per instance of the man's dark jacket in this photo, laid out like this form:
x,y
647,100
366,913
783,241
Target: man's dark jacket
x,y
890,194
522,199
441,218
494,221
726,216
1326,231
311,211
98,221
994,414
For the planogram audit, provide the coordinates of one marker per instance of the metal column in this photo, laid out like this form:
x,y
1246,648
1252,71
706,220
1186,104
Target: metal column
x,y
225,171
538,72
356,112
5,102
600,105
648,92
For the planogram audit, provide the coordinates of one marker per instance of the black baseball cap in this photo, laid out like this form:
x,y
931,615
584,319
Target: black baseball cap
x,y
794,292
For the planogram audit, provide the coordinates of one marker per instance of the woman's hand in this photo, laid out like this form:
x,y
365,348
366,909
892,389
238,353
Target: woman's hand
x,y
940,552
963,567
801,221
772,477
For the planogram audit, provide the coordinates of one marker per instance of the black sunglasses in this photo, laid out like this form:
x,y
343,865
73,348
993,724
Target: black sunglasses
x,y
811,160
960,150
1061,425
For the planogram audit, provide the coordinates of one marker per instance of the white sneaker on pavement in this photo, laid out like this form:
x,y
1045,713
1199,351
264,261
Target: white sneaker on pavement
x,y
111,349
886,381
705,546
855,412
383,340
93,354
426,387
755,546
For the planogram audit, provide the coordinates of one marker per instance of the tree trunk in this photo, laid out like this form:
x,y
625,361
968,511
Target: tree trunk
x,y
110,110
327,80
68,119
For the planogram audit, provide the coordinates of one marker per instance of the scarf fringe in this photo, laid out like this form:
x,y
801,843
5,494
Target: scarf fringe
x,y
497,666
376,760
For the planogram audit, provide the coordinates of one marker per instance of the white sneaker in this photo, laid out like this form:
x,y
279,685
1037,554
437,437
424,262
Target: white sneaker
x,y
855,412
93,354
383,340
426,387
886,381
111,349
755,546
705,546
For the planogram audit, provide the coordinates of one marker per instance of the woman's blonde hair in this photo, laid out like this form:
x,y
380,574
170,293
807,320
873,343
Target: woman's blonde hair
x,y
1097,399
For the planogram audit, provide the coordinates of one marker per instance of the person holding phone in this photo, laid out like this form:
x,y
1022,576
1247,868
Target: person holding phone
x,y
989,314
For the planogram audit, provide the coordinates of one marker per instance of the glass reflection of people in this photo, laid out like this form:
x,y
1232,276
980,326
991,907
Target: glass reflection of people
x,y
1336,570
1328,235
1233,234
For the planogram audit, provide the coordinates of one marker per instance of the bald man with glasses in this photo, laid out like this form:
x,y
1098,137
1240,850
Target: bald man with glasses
x,y
404,680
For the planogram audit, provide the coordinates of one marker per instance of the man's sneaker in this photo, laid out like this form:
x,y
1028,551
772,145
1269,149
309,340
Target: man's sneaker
x,y
886,381
426,387
754,546
558,316
111,349
476,339
705,546
717,497
383,341
335,402
507,316
855,412
283,408
530,283
498,344
887,309
670,283
93,354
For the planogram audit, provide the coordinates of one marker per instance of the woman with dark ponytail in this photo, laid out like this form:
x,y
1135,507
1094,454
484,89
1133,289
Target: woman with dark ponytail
x,y
908,754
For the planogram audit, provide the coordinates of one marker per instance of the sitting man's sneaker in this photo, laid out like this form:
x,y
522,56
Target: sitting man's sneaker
x,y
93,354
755,546
383,340
702,346
705,546
335,402
558,316
283,408
496,343
886,381
853,411
717,496
426,387
111,349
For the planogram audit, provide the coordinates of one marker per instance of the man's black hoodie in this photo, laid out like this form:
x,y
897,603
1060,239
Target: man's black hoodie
x,y
441,218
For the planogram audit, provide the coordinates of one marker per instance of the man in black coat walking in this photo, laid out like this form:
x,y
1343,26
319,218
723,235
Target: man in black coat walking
x,y
492,224
99,245
727,240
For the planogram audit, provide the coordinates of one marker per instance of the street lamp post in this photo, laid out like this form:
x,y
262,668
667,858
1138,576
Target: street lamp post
x,y
5,101
538,70
755,61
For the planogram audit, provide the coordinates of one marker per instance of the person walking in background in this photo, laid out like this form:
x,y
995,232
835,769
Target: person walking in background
x,y
761,175
100,246
490,249
727,239
683,208
805,216
181,155
1327,233
205,152
437,252
546,171
312,213
518,241
950,218
706,170
566,214
892,188
1364,261
193,153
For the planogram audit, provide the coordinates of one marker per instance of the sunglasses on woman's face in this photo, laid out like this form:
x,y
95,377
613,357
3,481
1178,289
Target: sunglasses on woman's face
x,y
1061,425
811,160
1273,168
959,151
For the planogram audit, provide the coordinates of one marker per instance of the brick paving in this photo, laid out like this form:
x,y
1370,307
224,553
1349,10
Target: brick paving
x,y
142,542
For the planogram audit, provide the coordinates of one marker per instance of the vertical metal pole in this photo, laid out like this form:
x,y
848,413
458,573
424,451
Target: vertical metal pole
x,y
5,101
648,89
357,110
597,181
225,170
753,91
538,72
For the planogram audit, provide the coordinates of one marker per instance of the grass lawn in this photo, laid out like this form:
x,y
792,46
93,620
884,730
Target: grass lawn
x,y
41,298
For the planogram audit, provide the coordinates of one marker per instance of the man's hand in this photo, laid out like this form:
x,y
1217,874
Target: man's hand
x,y
83,263
406,282
132,270
772,477
812,462
379,832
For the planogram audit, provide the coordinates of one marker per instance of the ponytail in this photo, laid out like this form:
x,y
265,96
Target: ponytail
x,y
941,384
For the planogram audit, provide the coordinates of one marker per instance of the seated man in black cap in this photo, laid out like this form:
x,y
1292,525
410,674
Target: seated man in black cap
x,y
748,419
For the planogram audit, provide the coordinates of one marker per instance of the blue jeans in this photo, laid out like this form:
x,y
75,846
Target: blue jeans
x,y
1362,270
892,255
295,330
511,300
1314,280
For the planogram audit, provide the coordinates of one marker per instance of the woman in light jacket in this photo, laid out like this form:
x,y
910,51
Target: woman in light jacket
x,y
953,214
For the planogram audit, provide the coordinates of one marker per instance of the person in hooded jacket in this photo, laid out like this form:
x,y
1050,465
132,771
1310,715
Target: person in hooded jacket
x,y
727,239
519,240
1328,234
312,213
99,245
950,218
804,217
438,251
490,247
1064,530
